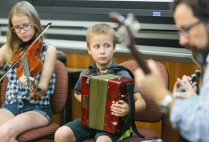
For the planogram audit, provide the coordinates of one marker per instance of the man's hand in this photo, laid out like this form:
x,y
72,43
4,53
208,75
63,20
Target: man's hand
x,y
189,89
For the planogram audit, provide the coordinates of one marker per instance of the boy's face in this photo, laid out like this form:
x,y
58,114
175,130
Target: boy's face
x,y
101,49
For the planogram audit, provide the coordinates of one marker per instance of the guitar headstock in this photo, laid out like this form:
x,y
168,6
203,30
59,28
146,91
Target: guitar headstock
x,y
126,33
128,28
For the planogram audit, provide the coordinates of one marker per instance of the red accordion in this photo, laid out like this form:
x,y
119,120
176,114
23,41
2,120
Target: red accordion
x,y
98,94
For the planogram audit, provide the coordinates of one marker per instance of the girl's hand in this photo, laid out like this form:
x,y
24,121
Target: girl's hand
x,y
23,80
35,95
34,90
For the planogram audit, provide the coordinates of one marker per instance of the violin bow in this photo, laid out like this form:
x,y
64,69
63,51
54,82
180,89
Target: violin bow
x,y
25,51
127,29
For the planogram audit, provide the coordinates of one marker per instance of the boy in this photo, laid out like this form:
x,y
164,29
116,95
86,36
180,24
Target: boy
x,y
101,44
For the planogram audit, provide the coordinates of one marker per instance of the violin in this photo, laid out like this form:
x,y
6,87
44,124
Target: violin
x,y
30,65
125,34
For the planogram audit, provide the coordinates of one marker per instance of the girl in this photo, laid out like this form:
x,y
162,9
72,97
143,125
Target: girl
x,y
26,107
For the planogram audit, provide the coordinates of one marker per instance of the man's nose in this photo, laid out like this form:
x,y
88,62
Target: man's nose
x,y
183,39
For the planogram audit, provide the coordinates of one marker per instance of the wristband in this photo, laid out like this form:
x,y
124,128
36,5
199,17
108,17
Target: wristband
x,y
37,88
166,101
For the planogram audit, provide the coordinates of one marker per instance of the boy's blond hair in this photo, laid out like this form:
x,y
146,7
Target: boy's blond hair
x,y
101,28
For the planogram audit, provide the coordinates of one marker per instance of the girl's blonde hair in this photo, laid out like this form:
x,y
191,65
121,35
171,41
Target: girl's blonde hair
x,y
22,8
101,28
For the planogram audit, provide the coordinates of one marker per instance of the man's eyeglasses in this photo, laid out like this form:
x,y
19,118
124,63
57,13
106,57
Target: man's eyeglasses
x,y
185,30
25,27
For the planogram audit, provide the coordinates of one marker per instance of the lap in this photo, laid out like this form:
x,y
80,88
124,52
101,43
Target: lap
x,y
16,109
20,119
5,115
82,132
25,121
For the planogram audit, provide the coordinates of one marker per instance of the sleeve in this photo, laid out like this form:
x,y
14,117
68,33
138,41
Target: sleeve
x,y
77,88
191,115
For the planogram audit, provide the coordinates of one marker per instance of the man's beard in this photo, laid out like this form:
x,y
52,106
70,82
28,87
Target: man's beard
x,y
200,55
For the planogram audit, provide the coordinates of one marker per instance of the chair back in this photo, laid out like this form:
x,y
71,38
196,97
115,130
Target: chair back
x,y
152,112
4,89
59,97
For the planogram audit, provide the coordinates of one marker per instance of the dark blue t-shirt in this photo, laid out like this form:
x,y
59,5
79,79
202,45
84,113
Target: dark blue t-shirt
x,y
123,73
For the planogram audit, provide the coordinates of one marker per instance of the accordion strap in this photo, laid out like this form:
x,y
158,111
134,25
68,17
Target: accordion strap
x,y
112,70
120,68
130,118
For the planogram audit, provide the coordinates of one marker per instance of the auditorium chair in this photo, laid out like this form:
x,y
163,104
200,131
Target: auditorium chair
x,y
57,102
152,113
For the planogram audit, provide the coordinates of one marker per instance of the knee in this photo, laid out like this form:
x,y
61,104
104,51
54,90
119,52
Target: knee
x,y
64,134
103,138
58,135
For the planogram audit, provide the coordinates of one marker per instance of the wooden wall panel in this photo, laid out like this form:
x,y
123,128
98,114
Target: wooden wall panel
x,y
177,70
83,60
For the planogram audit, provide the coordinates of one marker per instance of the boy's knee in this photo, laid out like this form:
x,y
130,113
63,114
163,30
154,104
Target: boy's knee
x,y
64,134
103,138
58,135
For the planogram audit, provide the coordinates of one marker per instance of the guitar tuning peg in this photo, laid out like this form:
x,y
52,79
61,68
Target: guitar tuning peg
x,y
121,32
122,36
132,23
136,25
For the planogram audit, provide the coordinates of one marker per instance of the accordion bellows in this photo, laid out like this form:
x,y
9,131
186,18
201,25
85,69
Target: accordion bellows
x,y
98,94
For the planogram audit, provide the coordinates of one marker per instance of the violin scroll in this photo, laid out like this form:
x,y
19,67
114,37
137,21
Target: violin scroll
x,y
128,28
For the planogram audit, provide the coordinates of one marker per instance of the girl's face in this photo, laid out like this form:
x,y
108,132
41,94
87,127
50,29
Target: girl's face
x,y
23,27
101,49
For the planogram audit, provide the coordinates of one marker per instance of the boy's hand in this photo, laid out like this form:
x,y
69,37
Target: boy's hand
x,y
120,108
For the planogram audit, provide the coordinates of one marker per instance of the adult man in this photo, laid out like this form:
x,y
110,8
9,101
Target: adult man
x,y
190,115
